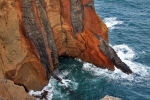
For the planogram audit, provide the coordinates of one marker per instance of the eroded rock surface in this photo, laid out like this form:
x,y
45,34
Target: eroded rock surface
x,y
10,91
18,57
78,32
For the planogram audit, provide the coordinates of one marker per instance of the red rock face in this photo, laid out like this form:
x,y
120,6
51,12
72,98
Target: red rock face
x,y
80,33
83,43
34,33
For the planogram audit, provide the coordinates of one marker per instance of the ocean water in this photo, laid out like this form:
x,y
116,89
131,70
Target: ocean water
x,y
129,34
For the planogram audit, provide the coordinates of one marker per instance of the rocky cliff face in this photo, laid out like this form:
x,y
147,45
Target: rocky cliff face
x,y
34,33
18,57
78,32
75,27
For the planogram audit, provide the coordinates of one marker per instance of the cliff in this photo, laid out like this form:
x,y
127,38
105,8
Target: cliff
x,y
34,33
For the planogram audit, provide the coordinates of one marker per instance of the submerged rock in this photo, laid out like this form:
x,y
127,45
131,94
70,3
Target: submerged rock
x,y
110,98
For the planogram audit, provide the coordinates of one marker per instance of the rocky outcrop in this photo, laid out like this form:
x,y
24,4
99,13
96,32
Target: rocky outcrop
x,y
10,91
78,32
34,33
110,98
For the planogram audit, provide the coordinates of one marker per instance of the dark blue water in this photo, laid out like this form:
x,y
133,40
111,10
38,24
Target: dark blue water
x,y
129,35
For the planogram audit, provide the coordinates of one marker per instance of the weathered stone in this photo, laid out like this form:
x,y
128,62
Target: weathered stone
x,y
110,98
18,57
10,91
76,15
79,16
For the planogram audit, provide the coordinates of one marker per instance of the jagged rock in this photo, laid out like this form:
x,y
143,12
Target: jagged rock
x,y
107,97
10,91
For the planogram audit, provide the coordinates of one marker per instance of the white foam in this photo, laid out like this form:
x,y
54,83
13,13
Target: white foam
x,y
79,60
124,52
57,87
127,54
141,72
47,88
69,84
112,22
66,82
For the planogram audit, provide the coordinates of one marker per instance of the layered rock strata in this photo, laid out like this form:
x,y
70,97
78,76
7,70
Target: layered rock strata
x,y
34,33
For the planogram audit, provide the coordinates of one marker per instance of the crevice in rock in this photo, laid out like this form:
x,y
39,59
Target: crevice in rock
x,y
85,46
61,24
48,32
34,24
23,87
34,33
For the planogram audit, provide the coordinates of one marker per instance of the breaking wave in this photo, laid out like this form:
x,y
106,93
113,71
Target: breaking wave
x,y
66,87
140,72
45,94
55,87
111,22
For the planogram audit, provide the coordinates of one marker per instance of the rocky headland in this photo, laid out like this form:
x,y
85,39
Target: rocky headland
x,y
34,33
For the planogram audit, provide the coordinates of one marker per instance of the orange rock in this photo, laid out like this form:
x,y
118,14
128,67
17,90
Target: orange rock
x,y
84,2
62,30
92,53
93,23
82,45
18,56
80,33
10,91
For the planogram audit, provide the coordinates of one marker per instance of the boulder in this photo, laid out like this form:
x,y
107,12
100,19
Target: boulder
x,y
10,91
107,97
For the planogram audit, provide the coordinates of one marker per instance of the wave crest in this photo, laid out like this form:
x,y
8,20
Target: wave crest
x,y
111,22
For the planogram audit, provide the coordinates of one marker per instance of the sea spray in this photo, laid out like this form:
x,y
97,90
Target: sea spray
x,y
111,22
45,94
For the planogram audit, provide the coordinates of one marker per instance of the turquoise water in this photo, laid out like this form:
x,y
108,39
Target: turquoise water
x,y
129,34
